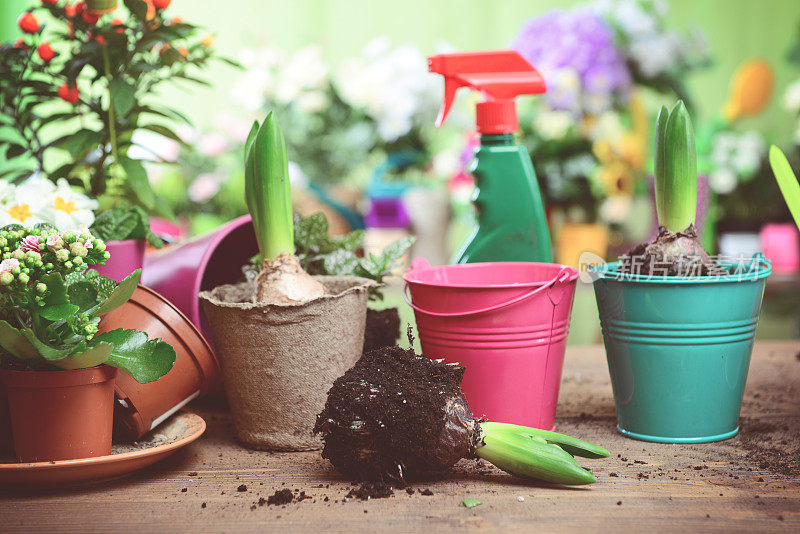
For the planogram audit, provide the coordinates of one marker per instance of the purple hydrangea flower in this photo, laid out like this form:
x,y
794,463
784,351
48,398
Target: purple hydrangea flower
x,y
577,55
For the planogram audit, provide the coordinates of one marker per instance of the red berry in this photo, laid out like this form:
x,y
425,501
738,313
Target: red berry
x,y
21,44
28,23
100,39
70,10
70,94
90,18
46,52
80,7
161,4
117,25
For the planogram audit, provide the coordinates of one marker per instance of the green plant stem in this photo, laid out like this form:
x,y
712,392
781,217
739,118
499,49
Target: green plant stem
x,y
112,129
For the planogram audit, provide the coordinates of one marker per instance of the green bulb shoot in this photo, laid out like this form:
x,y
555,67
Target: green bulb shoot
x,y
675,169
787,181
267,188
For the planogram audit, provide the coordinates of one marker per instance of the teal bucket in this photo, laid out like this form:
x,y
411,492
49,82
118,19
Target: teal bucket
x,y
678,349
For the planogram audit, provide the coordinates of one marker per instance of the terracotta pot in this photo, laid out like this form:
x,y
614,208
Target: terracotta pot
x,y
181,272
576,238
6,444
279,361
61,415
126,257
142,407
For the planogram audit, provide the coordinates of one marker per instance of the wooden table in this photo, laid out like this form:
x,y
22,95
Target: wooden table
x,y
750,482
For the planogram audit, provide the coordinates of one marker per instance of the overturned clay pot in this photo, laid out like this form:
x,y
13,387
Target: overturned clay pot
x,y
279,360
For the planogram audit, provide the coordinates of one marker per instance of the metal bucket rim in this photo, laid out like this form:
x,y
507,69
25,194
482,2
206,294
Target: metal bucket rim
x,y
608,271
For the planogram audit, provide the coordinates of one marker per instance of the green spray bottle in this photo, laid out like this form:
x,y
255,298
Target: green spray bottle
x,y
511,225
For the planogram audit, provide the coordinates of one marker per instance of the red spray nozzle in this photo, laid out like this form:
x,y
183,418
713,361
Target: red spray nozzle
x,y
500,75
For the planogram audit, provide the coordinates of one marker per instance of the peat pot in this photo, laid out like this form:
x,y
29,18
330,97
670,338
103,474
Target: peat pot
x,y
678,349
279,361
142,407
61,415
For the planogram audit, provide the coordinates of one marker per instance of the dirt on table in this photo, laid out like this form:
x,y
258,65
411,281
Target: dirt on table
x,y
383,328
396,415
371,490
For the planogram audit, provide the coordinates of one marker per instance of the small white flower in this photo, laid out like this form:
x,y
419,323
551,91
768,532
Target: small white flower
x,y
615,209
28,206
791,98
722,180
71,210
553,125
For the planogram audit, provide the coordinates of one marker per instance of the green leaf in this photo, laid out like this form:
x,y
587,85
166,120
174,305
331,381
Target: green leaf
x,y
340,262
787,181
166,132
123,96
121,294
16,344
44,350
170,56
470,503
137,180
81,142
15,150
57,306
145,360
676,170
395,250
83,294
138,9
116,224
86,357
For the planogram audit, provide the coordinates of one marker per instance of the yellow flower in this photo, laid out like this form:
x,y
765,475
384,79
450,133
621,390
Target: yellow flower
x,y
617,179
751,89
20,212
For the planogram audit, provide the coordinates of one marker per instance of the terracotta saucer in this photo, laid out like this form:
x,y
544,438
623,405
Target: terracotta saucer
x,y
178,431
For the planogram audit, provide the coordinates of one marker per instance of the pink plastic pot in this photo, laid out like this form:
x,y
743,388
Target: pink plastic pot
x,y
507,323
779,243
181,272
126,257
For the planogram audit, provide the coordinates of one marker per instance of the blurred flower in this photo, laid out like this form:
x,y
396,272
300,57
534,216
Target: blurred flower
x,y
791,98
580,43
553,124
391,85
735,157
212,144
615,209
722,180
147,144
203,188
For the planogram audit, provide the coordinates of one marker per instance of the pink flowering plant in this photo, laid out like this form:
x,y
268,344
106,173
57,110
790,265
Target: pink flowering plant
x,y
51,304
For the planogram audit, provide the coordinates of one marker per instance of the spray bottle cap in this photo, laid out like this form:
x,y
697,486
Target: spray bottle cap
x,y
500,75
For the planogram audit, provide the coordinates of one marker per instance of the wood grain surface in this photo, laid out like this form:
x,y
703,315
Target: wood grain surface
x,y
748,483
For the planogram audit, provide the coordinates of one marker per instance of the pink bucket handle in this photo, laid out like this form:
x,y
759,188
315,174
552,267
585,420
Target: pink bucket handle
x,y
558,280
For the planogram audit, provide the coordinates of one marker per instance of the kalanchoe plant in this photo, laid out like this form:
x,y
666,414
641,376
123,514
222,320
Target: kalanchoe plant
x,y
323,254
94,85
51,304
676,251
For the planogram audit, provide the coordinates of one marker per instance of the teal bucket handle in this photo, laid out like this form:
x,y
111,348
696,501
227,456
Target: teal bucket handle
x,y
562,276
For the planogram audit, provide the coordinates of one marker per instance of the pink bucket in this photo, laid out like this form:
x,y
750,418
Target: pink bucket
x,y
181,271
126,257
506,323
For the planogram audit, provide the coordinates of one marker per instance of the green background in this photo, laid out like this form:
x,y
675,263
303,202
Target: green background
x,y
735,29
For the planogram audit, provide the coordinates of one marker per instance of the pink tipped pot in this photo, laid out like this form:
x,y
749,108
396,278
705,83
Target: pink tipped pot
x,y
506,323
126,257
181,272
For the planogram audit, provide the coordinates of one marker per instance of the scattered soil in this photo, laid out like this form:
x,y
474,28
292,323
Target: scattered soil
x,y
671,254
383,328
284,496
396,415
371,490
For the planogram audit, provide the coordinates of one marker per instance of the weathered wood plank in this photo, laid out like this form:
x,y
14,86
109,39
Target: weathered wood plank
x,y
751,482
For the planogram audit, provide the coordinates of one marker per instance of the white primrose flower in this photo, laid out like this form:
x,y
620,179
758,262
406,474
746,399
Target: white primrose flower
x,y
71,210
305,70
29,204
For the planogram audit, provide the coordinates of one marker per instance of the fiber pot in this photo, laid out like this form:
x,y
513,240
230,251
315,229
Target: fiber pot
x,y
142,407
61,415
126,257
279,361
678,349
